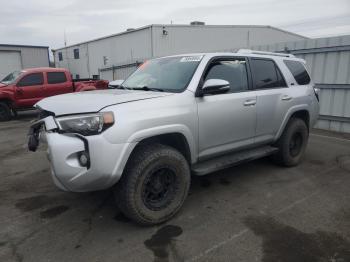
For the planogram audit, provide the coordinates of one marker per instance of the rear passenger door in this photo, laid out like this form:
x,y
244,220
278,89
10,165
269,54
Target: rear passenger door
x,y
273,98
57,83
226,120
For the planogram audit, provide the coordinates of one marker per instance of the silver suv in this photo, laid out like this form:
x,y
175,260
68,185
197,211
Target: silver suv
x,y
174,116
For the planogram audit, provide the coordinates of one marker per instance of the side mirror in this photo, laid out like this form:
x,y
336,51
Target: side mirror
x,y
115,83
215,86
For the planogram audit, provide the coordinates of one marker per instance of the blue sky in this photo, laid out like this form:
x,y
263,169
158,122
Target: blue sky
x,y
43,22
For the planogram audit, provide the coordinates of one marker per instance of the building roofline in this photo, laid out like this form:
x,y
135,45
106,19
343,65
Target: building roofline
x,y
288,32
33,46
175,25
103,37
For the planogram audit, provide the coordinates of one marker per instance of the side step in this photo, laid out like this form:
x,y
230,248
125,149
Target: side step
x,y
233,159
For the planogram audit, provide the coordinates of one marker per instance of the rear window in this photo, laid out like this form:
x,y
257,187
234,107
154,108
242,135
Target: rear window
x,y
266,74
56,77
298,71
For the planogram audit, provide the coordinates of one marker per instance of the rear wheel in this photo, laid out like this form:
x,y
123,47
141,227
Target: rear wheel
x,y
154,185
292,143
5,112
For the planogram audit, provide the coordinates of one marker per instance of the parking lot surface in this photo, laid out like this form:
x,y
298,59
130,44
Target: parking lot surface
x,y
254,212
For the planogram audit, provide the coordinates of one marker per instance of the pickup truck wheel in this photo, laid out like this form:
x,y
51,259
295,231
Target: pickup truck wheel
x,y
292,143
154,185
5,112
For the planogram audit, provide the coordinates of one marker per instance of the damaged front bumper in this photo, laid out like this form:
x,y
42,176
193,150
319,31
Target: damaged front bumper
x,y
80,163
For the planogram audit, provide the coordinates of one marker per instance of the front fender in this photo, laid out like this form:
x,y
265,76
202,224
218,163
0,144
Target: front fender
x,y
288,115
166,129
6,95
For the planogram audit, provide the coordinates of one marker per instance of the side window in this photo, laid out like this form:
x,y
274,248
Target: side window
x,y
233,71
76,53
31,80
298,71
60,56
56,77
266,74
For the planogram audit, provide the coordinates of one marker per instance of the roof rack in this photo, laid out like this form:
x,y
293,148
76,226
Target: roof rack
x,y
248,51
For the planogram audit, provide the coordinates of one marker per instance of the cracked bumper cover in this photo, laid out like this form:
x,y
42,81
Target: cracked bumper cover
x,y
107,160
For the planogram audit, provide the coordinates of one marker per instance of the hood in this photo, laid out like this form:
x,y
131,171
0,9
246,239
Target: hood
x,y
93,101
2,85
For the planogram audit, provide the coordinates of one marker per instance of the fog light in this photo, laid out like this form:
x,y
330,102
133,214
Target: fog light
x,y
84,159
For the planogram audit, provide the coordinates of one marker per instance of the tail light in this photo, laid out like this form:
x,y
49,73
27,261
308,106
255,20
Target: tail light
x,y
317,93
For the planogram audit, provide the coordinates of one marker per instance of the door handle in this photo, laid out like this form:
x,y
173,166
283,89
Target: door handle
x,y
249,102
286,98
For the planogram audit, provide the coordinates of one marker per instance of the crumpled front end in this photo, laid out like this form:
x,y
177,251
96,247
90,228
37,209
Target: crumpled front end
x,y
82,163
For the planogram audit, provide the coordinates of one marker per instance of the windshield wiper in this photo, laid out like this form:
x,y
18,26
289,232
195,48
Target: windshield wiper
x,y
122,87
146,88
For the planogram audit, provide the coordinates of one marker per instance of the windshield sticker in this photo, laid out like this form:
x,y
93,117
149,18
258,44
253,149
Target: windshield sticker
x,y
191,58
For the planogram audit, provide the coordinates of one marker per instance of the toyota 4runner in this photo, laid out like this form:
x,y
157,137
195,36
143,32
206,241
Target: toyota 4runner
x,y
174,116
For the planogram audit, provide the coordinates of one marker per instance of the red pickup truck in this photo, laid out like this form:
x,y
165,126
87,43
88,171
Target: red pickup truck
x,y
20,90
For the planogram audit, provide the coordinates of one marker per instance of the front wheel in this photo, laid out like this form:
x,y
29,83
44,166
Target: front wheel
x,y
154,185
5,112
292,143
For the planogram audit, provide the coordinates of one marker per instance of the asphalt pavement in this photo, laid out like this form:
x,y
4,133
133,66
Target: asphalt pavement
x,y
254,212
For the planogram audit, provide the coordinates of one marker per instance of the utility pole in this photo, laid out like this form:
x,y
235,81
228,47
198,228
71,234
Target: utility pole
x,y
65,45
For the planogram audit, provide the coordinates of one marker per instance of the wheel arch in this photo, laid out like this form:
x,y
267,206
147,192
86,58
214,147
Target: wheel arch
x,y
8,101
175,140
301,112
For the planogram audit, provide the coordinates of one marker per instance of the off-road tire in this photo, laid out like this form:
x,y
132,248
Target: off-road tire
x,y
296,129
5,112
143,164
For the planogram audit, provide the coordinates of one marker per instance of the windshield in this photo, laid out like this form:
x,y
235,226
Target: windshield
x,y
169,74
10,78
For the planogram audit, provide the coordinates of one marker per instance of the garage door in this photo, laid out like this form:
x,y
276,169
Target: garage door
x,y
9,62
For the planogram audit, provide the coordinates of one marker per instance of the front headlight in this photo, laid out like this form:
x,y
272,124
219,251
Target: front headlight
x,y
87,125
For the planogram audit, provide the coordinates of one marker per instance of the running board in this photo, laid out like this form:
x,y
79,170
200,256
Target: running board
x,y
230,160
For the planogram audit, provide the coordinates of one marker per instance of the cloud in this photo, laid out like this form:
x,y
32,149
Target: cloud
x,y
43,22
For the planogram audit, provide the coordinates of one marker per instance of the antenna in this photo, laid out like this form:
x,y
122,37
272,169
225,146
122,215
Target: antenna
x,y
65,37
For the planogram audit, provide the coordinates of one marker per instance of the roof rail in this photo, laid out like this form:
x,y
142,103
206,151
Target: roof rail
x,y
248,51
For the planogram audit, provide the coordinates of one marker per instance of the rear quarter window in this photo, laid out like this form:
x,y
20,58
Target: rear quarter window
x,y
298,71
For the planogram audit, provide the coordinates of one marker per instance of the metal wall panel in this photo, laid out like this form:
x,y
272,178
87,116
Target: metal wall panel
x,y
29,56
328,61
107,75
106,52
9,61
123,73
75,66
186,39
150,41
118,72
122,49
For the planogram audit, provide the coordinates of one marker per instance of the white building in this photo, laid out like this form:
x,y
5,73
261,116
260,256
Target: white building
x,y
116,56
17,57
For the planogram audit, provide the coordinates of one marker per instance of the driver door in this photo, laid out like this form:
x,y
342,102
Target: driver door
x,y
227,121
30,89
